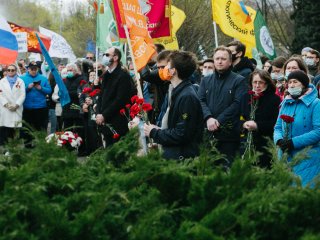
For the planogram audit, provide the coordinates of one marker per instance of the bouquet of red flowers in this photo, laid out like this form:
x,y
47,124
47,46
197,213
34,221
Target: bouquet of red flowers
x,y
139,108
68,139
288,121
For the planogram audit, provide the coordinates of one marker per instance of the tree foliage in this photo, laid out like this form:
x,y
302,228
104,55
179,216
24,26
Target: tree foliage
x,y
307,24
45,193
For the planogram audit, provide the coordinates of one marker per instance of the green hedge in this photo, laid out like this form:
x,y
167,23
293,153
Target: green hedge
x,y
45,193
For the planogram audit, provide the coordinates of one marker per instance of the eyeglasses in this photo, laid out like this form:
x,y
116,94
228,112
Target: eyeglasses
x,y
107,54
11,70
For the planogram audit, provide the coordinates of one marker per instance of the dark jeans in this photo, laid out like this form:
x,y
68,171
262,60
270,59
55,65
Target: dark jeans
x,y
37,119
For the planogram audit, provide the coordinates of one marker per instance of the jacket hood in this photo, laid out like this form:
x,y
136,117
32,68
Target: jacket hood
x,y
244,63
310,95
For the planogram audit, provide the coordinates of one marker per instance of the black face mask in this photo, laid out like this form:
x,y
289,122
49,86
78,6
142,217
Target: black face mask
x,y
234,57
99,72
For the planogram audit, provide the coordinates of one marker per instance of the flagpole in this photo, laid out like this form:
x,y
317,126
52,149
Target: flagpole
x,y
215,33
97,53
137,75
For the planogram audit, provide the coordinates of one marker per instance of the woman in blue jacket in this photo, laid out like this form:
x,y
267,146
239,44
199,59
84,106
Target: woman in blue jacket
x,y
303,105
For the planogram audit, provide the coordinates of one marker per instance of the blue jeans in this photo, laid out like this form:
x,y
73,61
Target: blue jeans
x,y
53,120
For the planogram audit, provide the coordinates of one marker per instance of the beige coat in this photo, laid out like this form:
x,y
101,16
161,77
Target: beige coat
x,y
16,95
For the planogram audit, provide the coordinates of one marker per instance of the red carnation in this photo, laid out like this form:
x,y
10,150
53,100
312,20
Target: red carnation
x,y
128,105
286,118
82,82
146,107
87,90
116,136
95,93
122,111
250,92
135,109
134,98
139,100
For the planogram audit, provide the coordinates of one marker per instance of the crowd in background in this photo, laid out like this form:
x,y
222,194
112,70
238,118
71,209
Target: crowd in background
x,y
225,98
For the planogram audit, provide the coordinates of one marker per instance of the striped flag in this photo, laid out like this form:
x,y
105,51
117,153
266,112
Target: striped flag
x,y
8,43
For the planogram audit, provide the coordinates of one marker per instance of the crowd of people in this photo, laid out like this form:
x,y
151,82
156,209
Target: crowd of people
x,y
226,98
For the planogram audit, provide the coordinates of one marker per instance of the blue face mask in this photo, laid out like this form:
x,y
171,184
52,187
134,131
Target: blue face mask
x,y
287,75
106,61
277,76
131,74
310,62
295,92
65,75
70,74
46,67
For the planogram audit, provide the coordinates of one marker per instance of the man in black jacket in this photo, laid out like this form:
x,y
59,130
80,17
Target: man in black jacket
x,y
116,90
220,95
241,64
182,124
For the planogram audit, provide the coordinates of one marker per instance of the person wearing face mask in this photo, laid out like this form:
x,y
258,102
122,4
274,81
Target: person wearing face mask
x,y
312,61
73,117
117,88
277,75
265,115
208,67
159,85
303,105
181,132
241,64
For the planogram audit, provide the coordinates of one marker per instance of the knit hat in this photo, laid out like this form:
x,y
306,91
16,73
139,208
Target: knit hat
x,y
300,76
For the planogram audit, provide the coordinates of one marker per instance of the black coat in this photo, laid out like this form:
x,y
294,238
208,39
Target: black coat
x,y
72,85
265,117
220,96
185,124
117,88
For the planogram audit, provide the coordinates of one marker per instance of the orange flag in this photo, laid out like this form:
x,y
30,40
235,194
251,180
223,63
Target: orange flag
x,y
142,44
33,44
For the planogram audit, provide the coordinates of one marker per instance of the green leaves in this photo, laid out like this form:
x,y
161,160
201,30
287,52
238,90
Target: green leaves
x,y
45,193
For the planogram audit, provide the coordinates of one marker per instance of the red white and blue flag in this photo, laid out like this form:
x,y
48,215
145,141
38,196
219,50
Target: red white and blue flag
x,y
8,43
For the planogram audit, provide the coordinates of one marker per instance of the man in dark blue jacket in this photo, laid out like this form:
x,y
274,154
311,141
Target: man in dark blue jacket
x,y
220,95
182,125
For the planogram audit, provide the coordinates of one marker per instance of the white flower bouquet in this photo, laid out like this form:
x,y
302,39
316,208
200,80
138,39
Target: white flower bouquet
x,y
68,139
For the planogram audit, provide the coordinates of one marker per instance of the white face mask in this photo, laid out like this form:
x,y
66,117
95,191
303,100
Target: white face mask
x,y
207,72
277,76
106,61
310,62
295,92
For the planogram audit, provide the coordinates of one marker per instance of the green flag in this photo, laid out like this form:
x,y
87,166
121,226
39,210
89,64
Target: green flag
x,y
263,39
107,33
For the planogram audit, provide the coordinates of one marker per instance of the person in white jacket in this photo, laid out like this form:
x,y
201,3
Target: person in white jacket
x,y
12,96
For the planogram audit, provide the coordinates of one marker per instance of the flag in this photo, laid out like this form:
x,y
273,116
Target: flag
x,y
63,92
135,20
8,43
235,20
157,12
59,47
177,18
91,46
263,39
107,32
33,44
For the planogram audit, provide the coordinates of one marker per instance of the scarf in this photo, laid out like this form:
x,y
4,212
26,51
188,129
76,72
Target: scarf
x,y
12,80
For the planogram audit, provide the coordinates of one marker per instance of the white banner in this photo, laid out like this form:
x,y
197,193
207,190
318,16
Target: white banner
x,y
59,46
22,40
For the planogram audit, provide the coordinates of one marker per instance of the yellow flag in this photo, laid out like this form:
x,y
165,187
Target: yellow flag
x,y
235,20
177,18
